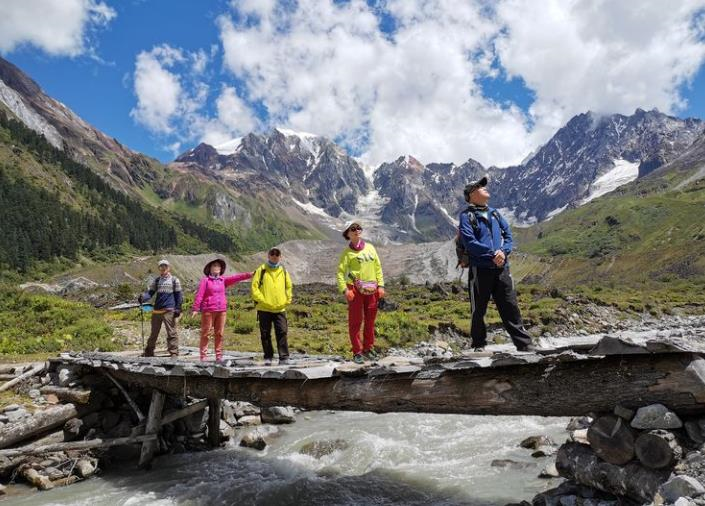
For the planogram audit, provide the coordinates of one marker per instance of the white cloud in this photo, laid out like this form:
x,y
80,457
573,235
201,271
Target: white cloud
x,y
600,55
159,92
328,67
57,27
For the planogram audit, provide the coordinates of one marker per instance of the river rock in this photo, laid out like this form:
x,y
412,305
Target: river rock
x,y
534,442
656,416
37,479
544,451
511,464
242,408
249,420
51,399
578,423
318,449
253,440
681,486
684,501
549,471
3,489
228,414
278,414
11,407
84,468
34,393
692,428
580,436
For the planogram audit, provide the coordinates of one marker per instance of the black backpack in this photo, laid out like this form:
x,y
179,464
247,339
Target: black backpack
x,y
461,253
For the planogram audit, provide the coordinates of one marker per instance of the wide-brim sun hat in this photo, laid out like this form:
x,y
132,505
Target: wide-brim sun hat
x,y
207,268
348,226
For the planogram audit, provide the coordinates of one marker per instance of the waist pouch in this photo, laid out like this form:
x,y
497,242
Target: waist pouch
x,y
366,287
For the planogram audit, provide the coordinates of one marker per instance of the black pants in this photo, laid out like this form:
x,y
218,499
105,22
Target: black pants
x,y
498,284
266,319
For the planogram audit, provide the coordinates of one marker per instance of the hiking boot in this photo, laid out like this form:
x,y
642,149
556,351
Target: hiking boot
x,y
370,355
283,361
267,361
478,349
359,359
528,348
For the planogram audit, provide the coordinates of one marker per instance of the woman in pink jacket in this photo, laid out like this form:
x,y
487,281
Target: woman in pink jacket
x,y
210,301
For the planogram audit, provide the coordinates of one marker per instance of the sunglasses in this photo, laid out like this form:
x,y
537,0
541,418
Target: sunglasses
x,y
356,229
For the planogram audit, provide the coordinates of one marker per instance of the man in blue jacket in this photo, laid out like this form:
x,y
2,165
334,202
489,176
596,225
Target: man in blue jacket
x,y
486,237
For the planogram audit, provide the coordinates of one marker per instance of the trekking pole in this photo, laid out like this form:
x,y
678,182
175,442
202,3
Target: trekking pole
x,y
142,319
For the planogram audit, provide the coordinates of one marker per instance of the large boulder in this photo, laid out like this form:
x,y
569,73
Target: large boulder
x,y
656,416
681,486
278,414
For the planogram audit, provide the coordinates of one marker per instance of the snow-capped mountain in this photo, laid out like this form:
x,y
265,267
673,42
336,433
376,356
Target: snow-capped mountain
x,y
408,201
311,171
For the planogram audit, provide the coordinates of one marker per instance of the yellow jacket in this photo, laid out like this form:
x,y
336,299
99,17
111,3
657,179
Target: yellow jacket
x,y
275,290
363,265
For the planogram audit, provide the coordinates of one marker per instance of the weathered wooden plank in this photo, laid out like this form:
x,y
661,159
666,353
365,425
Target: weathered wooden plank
x,y
76,395
215,408
561,387
154,417
89,444
35,369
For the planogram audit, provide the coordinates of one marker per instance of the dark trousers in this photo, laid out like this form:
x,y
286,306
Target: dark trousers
x,y
266,319
498,284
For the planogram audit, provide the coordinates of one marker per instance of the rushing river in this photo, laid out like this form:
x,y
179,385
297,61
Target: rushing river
x,y
389,459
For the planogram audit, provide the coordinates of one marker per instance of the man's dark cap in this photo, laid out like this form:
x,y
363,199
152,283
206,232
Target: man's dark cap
x,y
471,187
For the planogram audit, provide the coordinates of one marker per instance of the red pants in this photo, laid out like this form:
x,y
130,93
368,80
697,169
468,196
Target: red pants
x,y
216,321
363,307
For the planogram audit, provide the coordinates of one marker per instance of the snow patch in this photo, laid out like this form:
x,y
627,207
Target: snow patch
x,y
556,212
29,116
229,147
520,221
311,208
623,172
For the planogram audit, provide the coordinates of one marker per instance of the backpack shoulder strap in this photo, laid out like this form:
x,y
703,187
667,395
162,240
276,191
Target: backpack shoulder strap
x,y
473,219
262,269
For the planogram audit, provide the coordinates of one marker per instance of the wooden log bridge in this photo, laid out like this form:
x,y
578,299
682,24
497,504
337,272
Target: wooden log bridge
x,y
570,378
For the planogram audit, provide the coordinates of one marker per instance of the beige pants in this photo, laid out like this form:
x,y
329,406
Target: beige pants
x,y
172,339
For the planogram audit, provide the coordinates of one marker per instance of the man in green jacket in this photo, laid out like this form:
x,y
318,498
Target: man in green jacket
x,y
272,291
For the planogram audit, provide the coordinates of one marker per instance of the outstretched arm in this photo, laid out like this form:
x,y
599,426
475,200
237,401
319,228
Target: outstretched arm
x,y
236,278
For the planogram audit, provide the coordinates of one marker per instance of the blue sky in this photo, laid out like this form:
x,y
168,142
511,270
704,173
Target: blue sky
x,y
441,80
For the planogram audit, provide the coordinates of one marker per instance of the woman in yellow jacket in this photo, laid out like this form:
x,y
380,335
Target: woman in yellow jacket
x,y
360,279
272,291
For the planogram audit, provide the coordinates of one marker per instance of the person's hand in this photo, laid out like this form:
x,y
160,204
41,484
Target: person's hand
x,y
380,292
140,299
349,295
499,258
193,314
177,313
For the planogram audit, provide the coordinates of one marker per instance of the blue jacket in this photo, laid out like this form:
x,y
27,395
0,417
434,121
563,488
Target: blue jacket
x,y
169,293
492,235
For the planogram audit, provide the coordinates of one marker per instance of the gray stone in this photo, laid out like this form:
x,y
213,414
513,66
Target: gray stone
x,y
544,451
578,423
549,471
84,468
692,428
681,486
34,393
656,416
318,449
11,407
227,413
684,501
580,436
535,442
278,414
3,489
242,408
66,376
253,440
249,420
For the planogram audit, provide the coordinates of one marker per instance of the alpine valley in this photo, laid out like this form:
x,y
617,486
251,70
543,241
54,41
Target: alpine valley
x,y
620,195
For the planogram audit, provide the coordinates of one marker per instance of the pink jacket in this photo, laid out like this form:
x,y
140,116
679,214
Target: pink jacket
x,y
210,295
